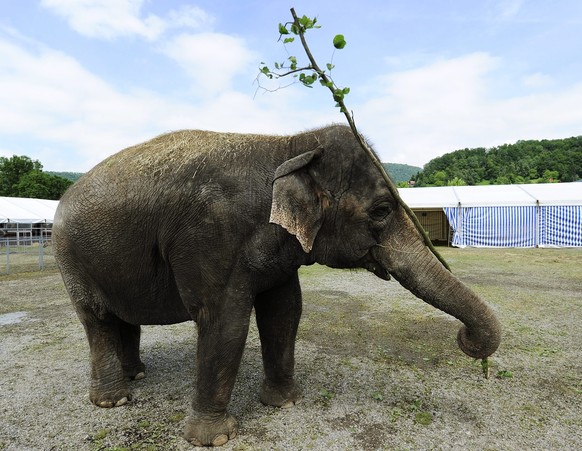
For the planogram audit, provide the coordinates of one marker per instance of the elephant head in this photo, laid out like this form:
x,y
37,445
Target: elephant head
x,y
336,203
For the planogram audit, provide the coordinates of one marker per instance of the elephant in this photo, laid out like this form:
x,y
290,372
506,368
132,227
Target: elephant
x,y
207,226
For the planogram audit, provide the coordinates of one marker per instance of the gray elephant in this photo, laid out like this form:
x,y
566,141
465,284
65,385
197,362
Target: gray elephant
x,y
203,226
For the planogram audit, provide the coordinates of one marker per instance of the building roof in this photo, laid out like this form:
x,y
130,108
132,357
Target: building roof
x,y
493,195
27,211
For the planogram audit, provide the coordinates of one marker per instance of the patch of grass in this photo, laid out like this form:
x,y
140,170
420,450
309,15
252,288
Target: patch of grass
x,y
423,418
326,396
177,417
396,413
504,374
28,275
101,434
377,396
312,271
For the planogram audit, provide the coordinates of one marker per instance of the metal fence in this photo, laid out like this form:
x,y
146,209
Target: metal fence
x,y
25,249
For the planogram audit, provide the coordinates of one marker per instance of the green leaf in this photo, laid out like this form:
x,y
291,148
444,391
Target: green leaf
x,y
288,40
283,29
306,22
339,41
266,71
338,94
330,66
308,80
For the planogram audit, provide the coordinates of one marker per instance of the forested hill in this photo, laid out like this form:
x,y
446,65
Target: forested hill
x,y
72,176
398,172
557,160
401,172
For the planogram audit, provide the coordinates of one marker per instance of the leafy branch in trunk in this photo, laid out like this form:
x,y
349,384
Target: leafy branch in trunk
x,y
310,73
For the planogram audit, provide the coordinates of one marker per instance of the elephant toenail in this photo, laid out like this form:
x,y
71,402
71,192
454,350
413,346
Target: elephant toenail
x,y
220,440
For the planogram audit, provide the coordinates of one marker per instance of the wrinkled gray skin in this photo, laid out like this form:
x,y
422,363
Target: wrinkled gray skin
x,y
205,226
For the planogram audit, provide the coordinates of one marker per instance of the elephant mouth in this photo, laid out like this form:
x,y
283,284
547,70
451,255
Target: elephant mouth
x,y
374,267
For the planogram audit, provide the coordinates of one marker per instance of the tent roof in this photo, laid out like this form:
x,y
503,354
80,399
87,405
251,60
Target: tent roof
x,y
27,211
493,195
23,210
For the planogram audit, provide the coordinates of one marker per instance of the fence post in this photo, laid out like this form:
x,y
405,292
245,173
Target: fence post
x,y
8,256
40,254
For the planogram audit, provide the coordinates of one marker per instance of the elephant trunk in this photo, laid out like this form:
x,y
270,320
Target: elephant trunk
x,y
419,271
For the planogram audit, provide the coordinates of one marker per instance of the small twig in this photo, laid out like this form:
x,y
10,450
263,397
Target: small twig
x,y
486,367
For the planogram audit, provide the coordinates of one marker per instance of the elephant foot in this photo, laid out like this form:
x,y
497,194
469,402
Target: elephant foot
x,y
216,431
108,400
283,396
134,372
110,395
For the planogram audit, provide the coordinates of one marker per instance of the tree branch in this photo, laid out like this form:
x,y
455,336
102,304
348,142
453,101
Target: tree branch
x,y
361,141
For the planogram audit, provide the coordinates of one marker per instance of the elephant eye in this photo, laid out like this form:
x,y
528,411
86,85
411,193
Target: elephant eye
x,y
380,211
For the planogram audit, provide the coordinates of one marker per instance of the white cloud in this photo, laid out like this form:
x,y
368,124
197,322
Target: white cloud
x,y
508,9
212,60
189,16
449,105
50,97
55,110
538,80
109,19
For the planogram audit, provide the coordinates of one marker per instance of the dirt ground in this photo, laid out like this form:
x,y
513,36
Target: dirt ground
x,y
379,368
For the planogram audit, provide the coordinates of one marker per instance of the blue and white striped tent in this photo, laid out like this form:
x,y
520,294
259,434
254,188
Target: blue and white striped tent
x,y
536,215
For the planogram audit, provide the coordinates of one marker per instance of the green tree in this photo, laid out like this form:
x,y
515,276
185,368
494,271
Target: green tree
x,y
12,169
440,178
38,184
456,182
21,176
550,176
522,162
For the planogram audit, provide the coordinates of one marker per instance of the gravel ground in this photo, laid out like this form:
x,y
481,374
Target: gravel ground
x,y
379,368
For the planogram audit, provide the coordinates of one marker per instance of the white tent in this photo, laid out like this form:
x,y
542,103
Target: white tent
x,y
17,210
531,215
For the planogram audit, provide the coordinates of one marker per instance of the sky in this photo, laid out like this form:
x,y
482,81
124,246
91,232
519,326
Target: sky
x,y
83,79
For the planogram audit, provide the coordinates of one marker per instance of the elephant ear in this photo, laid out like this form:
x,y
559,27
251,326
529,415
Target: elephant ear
x,y
296,199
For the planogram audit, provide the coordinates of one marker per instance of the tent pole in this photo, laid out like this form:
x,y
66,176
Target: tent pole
x,y
537,224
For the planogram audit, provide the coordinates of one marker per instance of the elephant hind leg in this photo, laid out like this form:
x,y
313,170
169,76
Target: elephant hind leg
x,y
113,343
108,382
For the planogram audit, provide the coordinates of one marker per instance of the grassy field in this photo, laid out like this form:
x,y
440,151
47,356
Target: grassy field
x,y
380,369
18,259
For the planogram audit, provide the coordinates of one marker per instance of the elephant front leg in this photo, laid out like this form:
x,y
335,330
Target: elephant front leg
x,y
278,312
220,348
